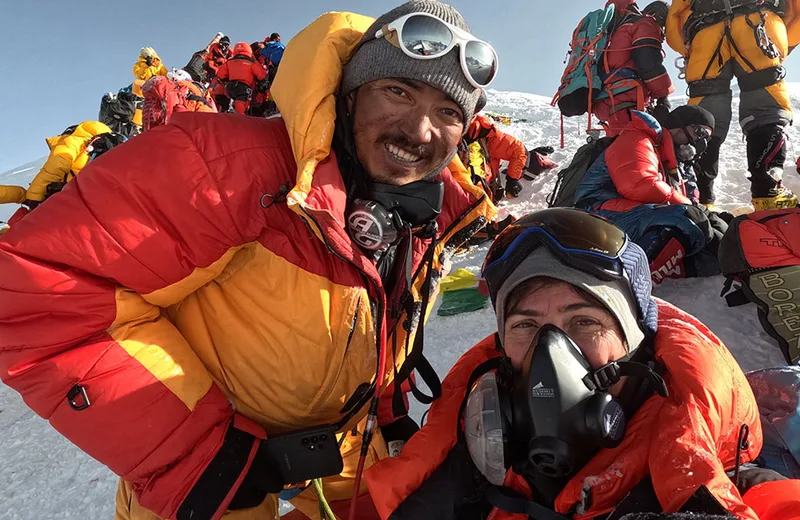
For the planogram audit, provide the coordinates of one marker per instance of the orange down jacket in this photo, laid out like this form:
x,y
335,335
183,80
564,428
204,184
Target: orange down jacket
x,y
200,282
682,442
499,146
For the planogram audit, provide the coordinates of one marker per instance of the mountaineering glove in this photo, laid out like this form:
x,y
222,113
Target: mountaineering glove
x,y
261,479
661,110
261,86
544,150
751,477
513,186
208,498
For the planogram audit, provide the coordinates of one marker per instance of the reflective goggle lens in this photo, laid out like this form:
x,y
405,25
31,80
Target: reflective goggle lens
x,y
426,36
481,63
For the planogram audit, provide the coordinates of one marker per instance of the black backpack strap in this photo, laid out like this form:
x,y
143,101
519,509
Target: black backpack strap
x,y
415,360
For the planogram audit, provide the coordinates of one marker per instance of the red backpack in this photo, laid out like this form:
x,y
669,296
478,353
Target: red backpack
x,y
161,96
761,254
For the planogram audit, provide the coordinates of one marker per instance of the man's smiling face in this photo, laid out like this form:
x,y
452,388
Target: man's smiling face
x,y
404,129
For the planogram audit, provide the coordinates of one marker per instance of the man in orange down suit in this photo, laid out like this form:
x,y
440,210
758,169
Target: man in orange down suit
x,y
223,285
487,146
218,54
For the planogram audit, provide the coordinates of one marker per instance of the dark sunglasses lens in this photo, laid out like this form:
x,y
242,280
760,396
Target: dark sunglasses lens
x,y
426,36
481,62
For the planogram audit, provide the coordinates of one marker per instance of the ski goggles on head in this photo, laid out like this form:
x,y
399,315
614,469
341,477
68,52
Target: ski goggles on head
x,y
579,239
423,36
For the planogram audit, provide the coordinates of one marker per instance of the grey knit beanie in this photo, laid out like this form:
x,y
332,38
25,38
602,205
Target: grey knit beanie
x,y
378,59
616,295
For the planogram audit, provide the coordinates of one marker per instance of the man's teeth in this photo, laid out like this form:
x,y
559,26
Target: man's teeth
x,y
402,154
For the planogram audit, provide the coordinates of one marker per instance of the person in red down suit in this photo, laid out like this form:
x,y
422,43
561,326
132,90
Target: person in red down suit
x,y
240,74
633,58
218,54
258,101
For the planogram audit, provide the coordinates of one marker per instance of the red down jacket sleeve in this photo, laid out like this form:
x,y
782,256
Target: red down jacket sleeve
x,y
634,167
83,284
647,42
222,72
259,72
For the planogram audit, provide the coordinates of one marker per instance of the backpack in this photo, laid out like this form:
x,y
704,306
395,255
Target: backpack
x,y
116,111
196,67
563,195
761,254
160,97
777,392
581,83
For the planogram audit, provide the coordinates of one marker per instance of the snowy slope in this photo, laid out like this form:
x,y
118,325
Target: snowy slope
x,y
44,476
19,176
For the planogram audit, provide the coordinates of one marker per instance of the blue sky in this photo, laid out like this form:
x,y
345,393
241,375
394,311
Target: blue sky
x,y
62,56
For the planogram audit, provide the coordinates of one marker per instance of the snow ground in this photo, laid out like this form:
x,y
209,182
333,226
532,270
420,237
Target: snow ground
x,y
44,476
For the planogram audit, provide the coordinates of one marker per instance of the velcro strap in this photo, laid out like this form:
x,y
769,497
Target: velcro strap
x,y
708,87
761,78
213,491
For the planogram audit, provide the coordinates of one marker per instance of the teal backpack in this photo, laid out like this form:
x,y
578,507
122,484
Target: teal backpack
x,y
581,83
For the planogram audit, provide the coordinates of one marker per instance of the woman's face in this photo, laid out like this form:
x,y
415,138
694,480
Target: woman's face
x,y
546,301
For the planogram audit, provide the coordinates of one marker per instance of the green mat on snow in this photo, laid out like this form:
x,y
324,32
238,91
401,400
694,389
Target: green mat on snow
x,y
461,300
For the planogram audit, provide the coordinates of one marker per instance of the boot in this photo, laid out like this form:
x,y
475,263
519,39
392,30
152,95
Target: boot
x,y
766,153
706,170
782,199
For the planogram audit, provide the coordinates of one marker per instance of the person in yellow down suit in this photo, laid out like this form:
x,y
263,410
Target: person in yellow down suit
x,y
748,39
70,151
148,65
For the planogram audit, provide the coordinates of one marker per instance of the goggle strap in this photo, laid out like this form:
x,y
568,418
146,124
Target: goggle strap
x,y
390,35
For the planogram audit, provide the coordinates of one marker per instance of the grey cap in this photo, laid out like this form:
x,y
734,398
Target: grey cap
x,y
378,59
615,295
